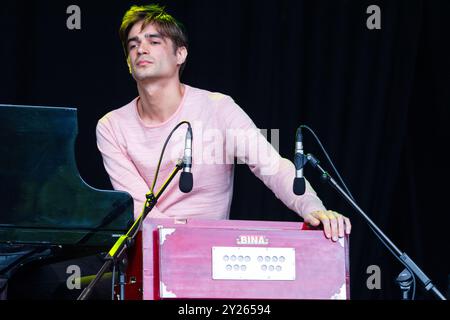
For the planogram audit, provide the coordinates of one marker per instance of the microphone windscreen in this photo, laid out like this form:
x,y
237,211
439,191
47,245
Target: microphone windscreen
x,y
186,182
299,186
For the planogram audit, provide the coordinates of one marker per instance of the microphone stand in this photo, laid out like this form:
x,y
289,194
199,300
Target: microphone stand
x,y
118,251
409,263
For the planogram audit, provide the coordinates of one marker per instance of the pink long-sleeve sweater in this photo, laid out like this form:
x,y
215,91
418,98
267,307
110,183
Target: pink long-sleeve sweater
x,y
221,131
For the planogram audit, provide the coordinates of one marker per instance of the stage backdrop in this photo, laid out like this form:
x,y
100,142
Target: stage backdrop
x,y
378,99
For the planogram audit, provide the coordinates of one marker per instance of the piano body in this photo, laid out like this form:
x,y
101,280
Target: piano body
x,y
47,211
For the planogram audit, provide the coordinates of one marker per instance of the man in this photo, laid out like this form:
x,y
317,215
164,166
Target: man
x,y
131,138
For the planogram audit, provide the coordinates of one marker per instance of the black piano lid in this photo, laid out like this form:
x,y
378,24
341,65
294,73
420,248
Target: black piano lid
x,y
43,199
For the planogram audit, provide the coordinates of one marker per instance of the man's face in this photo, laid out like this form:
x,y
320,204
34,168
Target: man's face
x,y
150,56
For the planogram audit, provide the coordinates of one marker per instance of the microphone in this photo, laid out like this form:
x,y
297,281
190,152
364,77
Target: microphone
x,y
186,180
299,181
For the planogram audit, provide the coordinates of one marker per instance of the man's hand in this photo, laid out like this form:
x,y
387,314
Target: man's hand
x,y
334,224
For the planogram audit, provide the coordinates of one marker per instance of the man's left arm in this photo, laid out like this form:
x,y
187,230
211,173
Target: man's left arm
x,y
277,173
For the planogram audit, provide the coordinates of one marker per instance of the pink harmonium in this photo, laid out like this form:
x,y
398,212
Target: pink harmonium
x,y
232,259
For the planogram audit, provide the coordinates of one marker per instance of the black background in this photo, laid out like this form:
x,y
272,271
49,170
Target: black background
x,y
378,99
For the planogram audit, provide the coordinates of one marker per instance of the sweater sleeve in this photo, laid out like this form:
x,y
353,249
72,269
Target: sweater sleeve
x,y
250,146
121,170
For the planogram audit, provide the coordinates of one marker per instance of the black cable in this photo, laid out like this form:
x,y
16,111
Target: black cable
x,y
159,164
351,196
163,150
328,158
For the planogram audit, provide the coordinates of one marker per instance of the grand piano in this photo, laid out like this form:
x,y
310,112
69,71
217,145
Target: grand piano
x,y
47,212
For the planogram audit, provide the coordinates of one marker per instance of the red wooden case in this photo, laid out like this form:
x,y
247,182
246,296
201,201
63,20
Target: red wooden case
x,y
191,259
